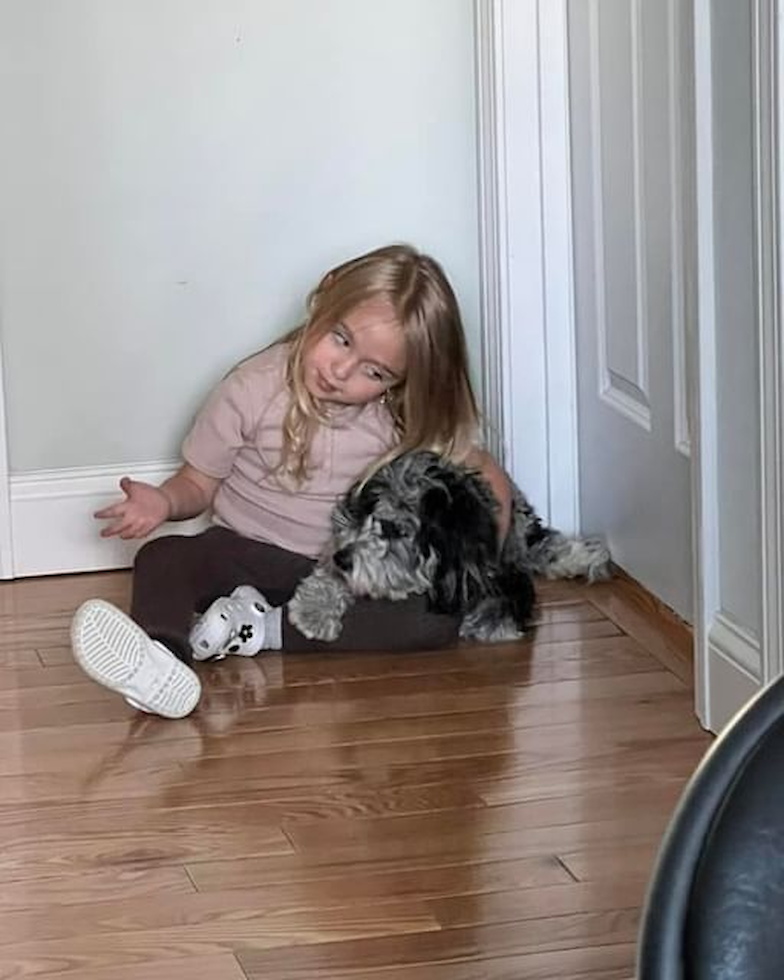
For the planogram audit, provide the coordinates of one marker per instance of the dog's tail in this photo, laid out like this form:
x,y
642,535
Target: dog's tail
x,y
550,553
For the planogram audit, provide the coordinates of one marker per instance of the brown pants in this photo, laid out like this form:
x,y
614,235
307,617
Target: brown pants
x,y
178,575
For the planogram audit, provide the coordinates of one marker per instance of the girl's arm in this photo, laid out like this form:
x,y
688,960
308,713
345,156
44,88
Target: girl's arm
x,y
481,460
186,494
189,492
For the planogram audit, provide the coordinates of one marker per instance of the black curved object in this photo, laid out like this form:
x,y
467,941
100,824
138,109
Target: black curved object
x,y
715,903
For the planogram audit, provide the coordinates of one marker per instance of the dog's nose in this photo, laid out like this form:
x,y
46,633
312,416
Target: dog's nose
x,y
342,559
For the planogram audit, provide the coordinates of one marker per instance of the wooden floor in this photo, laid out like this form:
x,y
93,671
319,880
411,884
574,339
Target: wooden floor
x,y
481,814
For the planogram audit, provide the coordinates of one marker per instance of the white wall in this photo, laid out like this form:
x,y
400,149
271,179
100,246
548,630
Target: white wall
x,y
175,176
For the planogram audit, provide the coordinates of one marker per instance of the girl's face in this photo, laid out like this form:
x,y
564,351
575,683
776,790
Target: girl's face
x,y
359,358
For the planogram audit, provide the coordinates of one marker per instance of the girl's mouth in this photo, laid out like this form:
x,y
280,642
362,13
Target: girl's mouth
x,y
324,385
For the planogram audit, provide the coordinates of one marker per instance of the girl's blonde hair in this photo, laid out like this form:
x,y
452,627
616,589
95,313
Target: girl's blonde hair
x,y
434,406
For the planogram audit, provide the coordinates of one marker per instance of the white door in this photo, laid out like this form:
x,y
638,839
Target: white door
x,y
740,487
631,67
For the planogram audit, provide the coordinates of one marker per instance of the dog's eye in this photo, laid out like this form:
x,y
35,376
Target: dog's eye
x,y
390,530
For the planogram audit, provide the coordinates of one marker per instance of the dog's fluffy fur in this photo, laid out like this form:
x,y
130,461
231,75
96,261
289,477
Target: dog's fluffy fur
x,y
420,526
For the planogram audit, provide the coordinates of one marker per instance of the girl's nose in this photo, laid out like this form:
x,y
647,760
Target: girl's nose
x,y
342,367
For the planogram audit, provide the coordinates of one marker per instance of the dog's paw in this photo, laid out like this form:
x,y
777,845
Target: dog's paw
x,y
597,559
314,622
483,628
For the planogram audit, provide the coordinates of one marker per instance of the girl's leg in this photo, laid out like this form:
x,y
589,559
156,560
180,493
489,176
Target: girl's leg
x,y
178,575
381,624
369,624
145,657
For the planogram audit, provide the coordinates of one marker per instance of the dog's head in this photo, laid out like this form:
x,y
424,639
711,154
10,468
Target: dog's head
x,y
419,525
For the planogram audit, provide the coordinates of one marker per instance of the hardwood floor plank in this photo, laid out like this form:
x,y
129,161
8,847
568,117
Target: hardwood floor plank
x,y
75,746
358,800
423,878
384,851
251,930
594,963
616,654
565,660
658,629
567,612
600,863
55,656
592,807
12,656
217,917
521,904
63,890
452,946
223,966
138,838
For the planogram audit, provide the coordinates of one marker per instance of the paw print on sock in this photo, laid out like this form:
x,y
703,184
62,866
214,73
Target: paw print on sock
x,y
243,635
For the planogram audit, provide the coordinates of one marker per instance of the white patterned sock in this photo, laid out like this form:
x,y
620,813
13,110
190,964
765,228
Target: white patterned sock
x,y
273,629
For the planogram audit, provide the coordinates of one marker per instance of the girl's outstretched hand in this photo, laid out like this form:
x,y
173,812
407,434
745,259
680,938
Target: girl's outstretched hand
x,y
144,508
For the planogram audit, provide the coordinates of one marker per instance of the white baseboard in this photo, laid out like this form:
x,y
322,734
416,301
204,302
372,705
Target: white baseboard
x,y
734,673
736,643
52,527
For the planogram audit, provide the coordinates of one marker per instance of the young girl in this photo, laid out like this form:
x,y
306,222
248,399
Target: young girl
x,y
379,368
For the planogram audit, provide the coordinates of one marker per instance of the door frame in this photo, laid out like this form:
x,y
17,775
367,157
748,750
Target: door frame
x,y
525,245
6,540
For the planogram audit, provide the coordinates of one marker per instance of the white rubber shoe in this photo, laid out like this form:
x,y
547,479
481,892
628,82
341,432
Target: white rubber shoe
x,y
118,654
232,625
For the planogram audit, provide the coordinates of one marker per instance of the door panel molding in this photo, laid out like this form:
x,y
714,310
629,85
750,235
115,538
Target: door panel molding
x,y
682,223
624,390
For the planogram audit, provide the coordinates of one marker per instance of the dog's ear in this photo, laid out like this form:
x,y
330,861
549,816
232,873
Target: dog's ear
x,y
362,500
458,529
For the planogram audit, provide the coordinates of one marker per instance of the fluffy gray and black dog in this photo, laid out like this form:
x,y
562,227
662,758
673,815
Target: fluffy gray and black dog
x,y
423,526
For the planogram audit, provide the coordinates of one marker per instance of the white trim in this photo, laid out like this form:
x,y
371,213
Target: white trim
x,y
528,355
492,223
705,487
730,687
640,209
735,668
736,643
6,537
560,327
623,395
767,176
680,225
51,513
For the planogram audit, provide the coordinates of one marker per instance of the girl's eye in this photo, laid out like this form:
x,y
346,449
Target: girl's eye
x,y
376,375
340,338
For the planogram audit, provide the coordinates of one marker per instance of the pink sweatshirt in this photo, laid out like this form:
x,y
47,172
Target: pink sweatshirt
x,y
237,437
